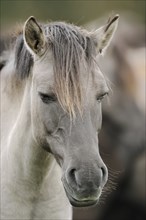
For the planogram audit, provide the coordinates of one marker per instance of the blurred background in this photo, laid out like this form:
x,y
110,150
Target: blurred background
x,y
122,138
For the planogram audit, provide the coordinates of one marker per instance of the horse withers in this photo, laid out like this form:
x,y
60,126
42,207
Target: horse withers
x,y
52,90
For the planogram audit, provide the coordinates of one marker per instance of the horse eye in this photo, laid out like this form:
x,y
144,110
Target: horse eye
x,y
47,98
100,97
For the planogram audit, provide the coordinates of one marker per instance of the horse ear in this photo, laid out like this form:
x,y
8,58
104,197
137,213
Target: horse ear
x,y
105,34
34,37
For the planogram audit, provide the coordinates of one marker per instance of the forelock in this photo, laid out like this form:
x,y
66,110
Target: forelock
x,y
73,51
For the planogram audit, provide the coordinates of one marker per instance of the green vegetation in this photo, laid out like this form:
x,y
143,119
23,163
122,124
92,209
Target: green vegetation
x,y
76,11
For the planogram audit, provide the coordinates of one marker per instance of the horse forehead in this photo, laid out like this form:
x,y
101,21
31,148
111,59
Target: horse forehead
x,y
44,75
98,83
43,71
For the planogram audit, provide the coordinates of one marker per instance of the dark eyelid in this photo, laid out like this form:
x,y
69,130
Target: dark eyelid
x,y
47,98
101,96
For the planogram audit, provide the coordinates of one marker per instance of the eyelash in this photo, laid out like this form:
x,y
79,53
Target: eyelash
x,y
47,98
100,97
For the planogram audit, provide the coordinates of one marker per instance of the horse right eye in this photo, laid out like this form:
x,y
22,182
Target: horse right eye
x,y
47,98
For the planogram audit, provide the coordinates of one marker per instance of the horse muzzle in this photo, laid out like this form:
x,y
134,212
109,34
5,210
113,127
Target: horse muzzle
x,y
82,197
84,185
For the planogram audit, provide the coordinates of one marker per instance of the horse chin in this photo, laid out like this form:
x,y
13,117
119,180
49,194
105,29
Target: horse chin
x,y
84,202
80,203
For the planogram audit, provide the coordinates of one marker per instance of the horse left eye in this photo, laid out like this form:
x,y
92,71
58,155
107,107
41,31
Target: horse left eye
x,y
100,97
47,98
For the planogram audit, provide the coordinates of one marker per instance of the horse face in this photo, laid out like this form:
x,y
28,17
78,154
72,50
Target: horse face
x,y
74,143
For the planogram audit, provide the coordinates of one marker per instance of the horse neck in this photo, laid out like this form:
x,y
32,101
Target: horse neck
x,y
27,160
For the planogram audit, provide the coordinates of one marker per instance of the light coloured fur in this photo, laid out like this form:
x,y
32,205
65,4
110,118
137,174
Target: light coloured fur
x,y
31,186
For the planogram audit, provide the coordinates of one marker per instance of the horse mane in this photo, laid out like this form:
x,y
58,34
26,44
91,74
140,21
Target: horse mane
x,y
72,50
23,58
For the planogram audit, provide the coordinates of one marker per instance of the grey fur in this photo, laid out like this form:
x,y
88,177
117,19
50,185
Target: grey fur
x,y
23,58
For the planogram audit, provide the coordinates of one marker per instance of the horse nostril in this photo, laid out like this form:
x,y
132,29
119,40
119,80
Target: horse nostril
x,y
104,174
103,171
71,175
72,172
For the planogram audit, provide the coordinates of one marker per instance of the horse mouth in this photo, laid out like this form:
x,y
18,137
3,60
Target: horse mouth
x,y
86,201
81,203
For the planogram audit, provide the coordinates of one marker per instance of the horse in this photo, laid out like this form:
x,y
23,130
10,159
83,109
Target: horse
x,y
51,94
